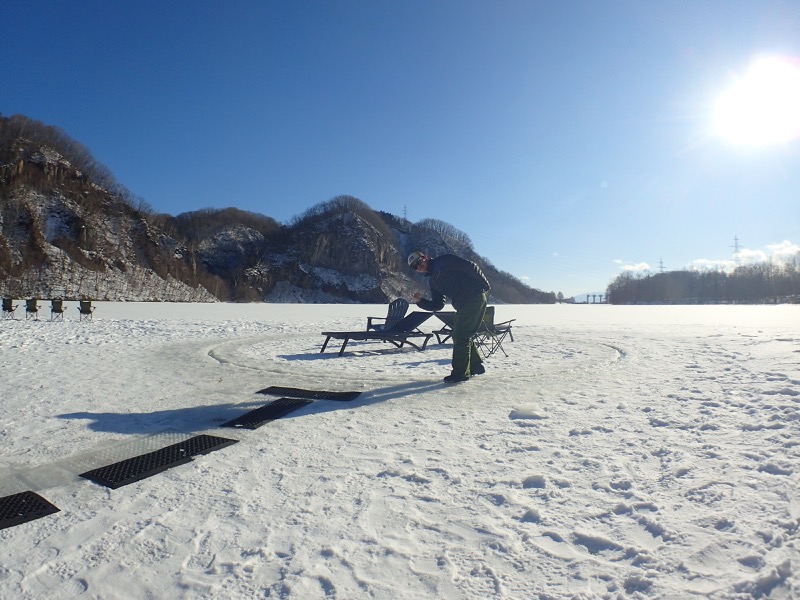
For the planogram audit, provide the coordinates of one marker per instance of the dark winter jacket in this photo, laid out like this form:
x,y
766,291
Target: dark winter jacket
x,y
454,277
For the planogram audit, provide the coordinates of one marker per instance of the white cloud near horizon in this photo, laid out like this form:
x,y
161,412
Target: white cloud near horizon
x,y
706,264
783,251
778,253
638,267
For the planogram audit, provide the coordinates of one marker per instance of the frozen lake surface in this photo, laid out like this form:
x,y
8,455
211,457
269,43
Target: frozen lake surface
x,y
617,452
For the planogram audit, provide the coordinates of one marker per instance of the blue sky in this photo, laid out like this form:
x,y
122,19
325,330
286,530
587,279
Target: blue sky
x,y
569,140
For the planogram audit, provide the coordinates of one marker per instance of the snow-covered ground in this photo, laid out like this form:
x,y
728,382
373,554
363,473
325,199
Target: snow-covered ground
x,y
617,452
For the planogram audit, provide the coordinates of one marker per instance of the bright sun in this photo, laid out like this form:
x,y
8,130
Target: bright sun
x,y
762,107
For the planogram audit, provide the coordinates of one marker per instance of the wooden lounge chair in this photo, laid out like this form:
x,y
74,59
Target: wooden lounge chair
x,y
489,337
32,309
85,309
405,331
8,308
397,310
57,309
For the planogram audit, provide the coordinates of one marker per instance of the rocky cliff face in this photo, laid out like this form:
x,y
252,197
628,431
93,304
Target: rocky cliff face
x,y
63,235
68,230
338,256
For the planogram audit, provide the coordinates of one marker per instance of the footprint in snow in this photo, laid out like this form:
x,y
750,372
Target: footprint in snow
x,y
534,481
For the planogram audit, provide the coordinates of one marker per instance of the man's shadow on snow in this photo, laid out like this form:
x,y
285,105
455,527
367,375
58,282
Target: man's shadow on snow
x,y
349,354
203,418
183,420
357,348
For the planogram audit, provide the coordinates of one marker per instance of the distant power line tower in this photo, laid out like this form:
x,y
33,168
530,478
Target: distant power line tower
x,y
660,265
405,212
736,248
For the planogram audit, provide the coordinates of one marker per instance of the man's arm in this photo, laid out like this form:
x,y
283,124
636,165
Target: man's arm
x,y
436,302
473,271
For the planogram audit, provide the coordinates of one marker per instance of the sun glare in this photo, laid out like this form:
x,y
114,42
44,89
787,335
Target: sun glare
x,y
762,107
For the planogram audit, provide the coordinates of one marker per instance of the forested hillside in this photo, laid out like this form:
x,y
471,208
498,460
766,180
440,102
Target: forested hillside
x,y
69,229
753,284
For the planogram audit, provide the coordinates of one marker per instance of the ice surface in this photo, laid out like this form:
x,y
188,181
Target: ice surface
x,y
617,452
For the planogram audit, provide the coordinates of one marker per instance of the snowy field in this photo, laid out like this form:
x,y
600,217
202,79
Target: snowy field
x,y
617,452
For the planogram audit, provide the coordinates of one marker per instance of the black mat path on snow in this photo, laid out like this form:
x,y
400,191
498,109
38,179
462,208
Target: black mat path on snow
x,y
269,412
23,507
310,394
143,466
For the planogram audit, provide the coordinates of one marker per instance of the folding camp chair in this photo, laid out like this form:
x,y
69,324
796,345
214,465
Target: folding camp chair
x,y
8,308
56,309
399,334
397,310
489,337
32,309
85,309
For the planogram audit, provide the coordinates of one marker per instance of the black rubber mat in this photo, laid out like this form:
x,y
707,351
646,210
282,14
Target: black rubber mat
x,y
269,412
203,444
140,467
23,507
310,394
